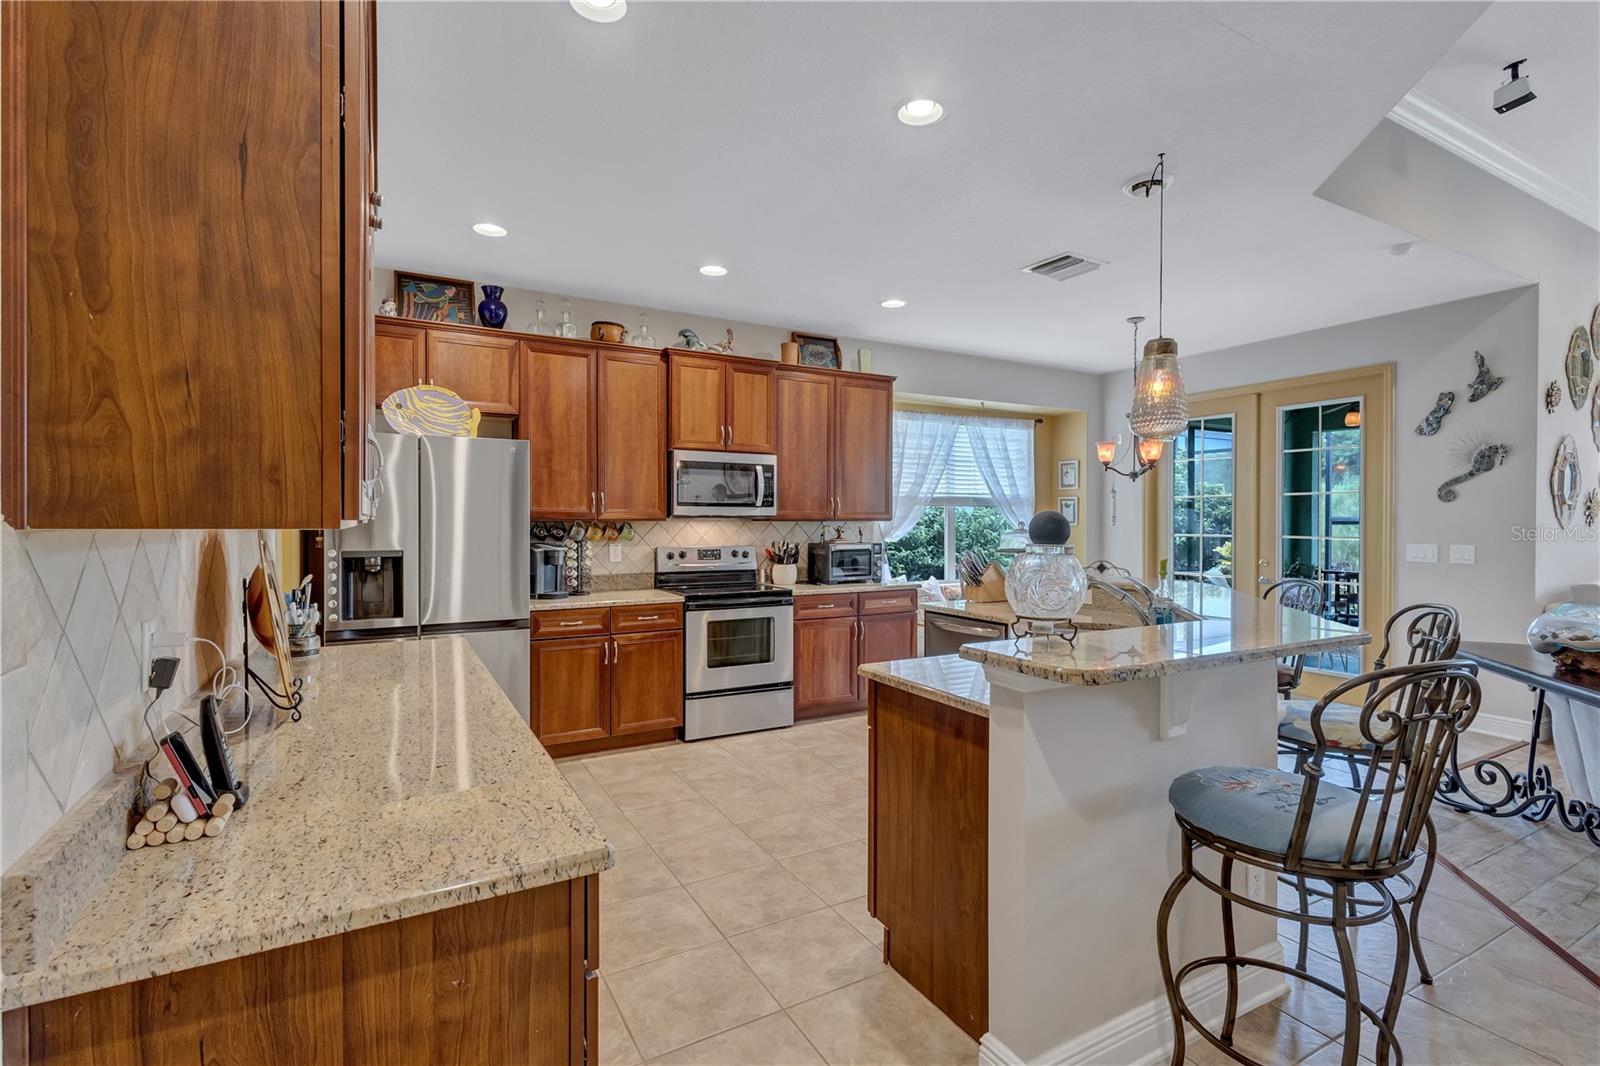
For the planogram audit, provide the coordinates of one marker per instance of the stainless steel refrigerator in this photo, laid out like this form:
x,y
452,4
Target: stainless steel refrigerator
x,y
446,552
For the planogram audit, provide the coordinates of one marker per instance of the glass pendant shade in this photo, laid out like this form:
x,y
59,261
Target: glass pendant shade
x,y
1352,419
1150,451
1160,405
1105,451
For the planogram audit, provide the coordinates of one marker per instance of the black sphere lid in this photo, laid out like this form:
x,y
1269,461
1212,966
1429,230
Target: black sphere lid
x,y
1049,528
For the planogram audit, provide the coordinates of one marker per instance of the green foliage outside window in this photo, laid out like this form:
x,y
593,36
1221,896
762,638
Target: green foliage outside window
x,y
919,554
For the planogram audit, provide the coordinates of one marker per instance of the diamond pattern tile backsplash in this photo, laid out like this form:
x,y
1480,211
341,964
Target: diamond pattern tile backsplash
x,y
71,694
638,555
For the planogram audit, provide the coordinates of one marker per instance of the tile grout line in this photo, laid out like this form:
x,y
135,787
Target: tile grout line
x,y
1522,923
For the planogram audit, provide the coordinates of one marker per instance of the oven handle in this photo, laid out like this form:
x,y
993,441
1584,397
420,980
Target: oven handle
x,y
780,612
939,622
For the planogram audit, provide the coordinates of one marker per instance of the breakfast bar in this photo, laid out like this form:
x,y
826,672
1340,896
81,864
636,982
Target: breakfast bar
x,y
1020,832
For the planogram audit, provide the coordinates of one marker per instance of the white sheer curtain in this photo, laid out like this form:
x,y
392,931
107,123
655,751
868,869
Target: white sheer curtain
x,y
1003,450
920,452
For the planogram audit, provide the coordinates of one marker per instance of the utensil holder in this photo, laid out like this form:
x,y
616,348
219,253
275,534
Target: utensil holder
x,y
785,574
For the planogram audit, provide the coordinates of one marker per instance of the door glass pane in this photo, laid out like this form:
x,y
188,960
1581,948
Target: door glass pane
x,y
738,642
1319,521
1202,500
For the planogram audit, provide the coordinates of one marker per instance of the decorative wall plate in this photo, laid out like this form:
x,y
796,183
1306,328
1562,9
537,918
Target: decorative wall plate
x,y
1435,418
1580,367
1483,382
1594,418
1552,396
1566,481
1591,508
1480,457
431,411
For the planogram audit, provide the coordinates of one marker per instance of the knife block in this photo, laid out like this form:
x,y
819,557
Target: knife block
x,y
990,589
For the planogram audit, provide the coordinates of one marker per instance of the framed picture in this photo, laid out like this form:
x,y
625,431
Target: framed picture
x,y
1067,474
818,351
433,299
1069,508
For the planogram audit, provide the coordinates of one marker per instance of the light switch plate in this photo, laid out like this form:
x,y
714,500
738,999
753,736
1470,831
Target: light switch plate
x,y
616,553
1466,554
1422,553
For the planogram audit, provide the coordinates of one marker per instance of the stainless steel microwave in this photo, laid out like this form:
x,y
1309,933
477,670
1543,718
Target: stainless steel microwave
x,y
724,484
843,564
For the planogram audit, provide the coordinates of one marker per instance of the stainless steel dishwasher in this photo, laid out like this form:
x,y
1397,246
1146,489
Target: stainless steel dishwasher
x,y
943,634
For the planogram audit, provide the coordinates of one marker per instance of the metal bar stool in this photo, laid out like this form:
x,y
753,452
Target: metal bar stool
x,y
1303,595
1427,633
1288,823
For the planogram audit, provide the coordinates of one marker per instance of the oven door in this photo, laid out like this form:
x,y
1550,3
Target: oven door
x,y
729,484
738,647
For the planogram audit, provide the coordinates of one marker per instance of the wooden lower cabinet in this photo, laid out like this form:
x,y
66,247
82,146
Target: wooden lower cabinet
x,y
882,639
486,983
646,682
619,684
570,679
825,664
834,635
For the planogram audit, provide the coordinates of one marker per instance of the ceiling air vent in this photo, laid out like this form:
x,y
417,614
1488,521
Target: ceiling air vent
x,y
1064,266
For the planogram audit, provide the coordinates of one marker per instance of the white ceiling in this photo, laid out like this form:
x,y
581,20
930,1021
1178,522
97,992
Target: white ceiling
x,y
762,136
1552,141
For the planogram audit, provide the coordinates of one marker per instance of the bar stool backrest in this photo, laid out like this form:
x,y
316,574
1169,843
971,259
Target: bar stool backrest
x,y
1303,595
1411,714
1420,633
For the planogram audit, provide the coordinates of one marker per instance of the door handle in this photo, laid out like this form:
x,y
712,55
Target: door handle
x,y
591,500
602,500
605,653
616,652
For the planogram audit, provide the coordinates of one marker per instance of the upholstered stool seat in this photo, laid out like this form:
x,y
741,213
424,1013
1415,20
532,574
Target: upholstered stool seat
x,y
1256,808
1341,725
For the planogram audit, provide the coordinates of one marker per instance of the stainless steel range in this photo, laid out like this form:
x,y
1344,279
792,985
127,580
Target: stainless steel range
x,y
738,641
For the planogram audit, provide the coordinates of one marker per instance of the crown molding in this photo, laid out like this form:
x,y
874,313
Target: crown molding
x,y
1428,118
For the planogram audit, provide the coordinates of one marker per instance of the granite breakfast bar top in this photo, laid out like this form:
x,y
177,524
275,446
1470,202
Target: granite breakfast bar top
x,y
947,679
409,785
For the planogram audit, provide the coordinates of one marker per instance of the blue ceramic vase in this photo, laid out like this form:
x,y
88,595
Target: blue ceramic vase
x,y
491,309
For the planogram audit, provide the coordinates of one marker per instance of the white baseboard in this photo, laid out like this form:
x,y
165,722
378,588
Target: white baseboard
x,y
1141,1037
1501,726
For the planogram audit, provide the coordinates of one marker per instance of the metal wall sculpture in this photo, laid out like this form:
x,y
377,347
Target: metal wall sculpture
x,y
1435,418
1483,458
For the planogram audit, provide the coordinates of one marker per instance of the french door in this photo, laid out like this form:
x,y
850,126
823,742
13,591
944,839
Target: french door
x,y
1290,479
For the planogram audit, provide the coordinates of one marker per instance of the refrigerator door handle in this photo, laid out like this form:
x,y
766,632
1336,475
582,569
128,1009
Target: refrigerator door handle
x,y
425,502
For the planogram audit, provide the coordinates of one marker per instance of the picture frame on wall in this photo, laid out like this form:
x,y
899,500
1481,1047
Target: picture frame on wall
x,y
1069,508
1067,474
818,351
429,298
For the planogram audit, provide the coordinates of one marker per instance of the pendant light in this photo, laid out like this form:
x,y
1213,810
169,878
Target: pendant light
x,y
1160,406
1146,450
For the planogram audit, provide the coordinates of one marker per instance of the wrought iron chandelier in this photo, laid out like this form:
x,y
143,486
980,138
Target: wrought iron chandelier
x,y
1146,450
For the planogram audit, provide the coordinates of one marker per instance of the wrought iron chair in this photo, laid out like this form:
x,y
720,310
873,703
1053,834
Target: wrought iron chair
x,y
1427,633
1306,596
1295,824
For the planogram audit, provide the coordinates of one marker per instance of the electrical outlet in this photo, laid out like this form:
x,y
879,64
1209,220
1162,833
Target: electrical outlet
x,y
615,555
1256,883
1465,554
1422,553
147,637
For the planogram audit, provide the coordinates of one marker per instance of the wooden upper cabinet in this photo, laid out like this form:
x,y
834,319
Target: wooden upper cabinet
x,y
720,403
482,369
186,265
698,402
399,357
632,435
804,444
559,424
752,406
863,425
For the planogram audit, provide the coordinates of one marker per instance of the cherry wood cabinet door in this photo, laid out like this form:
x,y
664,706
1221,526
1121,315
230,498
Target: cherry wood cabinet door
x,y
698,399
646,682
481,370
569,680
883,638
752,410
399,358
805,444
559,424
359,217
632,452
863,423
824,662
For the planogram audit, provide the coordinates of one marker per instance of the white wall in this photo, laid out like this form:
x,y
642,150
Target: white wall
x,y
1400,178
923,371
1432,351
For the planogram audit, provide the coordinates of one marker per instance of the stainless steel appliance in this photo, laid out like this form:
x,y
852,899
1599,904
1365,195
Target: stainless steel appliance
x,y
944,634
738,641
843,564
725,484
549,564
446,552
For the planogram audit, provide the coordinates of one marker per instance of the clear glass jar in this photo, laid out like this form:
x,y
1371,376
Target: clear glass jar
x,y
1571,626
1046,583
540,325
567,328
642,338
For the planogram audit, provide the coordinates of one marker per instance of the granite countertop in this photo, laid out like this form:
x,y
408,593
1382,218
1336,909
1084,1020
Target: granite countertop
x,y
1233,628
410,785
806,588
946,678
1111,615
617,598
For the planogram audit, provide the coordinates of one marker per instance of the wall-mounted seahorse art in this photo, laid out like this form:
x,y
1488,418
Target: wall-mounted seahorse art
x,y
1435,418
1483,383
1480,459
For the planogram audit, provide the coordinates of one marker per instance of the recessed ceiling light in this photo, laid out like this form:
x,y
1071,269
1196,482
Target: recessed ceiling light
x,y
921,112
711,270
892,304
601,10
488,229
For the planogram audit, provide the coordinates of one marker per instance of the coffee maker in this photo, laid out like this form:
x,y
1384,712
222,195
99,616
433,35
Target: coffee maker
x,y
548,565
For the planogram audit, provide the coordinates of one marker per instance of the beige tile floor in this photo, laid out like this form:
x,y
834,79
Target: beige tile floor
x,y
734,929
